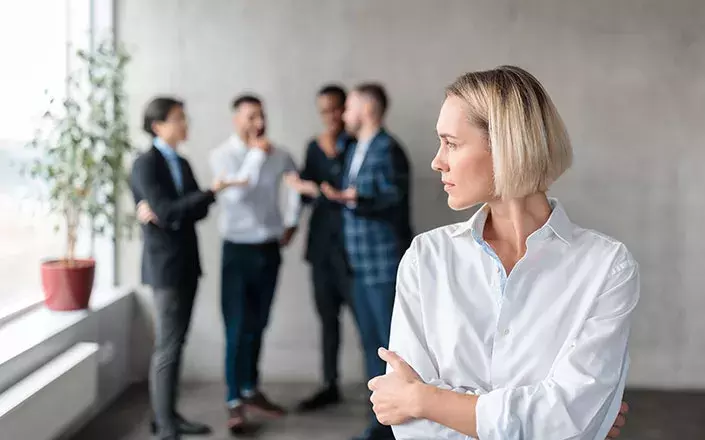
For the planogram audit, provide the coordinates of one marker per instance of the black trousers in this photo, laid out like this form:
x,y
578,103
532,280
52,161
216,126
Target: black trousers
x,y
332,282
173,315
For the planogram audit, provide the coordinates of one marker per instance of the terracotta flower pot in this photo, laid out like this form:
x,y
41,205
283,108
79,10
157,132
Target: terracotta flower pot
x,y
67,284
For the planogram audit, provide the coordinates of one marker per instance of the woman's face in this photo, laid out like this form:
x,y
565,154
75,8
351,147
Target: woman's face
x,y
174,129
463,158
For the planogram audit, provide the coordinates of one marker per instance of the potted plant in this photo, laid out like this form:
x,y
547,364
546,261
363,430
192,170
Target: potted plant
x,y
81,151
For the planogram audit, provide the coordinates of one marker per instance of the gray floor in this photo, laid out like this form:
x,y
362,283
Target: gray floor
x,y
654,415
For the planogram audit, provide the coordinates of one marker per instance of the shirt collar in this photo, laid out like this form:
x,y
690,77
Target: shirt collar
x,y
237,142
367,142
164,148
558,223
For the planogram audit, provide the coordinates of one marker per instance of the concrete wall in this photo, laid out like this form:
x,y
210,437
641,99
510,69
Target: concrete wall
x,y
627,77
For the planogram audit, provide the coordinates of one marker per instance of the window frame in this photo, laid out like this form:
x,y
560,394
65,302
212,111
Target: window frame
x,y
100,23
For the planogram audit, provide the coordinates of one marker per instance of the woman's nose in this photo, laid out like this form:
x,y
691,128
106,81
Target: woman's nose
x,y
439,162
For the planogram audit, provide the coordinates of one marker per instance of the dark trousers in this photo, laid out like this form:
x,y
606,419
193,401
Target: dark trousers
x,y
248,281
331,287
173,315
373,309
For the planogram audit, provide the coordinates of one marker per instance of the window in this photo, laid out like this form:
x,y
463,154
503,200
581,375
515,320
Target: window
x,y
34,37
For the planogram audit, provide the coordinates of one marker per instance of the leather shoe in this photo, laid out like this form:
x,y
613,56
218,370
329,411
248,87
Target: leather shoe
x,y
327,396
259,403
185,427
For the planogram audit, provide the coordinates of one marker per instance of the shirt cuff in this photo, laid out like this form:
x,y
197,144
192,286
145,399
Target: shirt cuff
x,y
488,414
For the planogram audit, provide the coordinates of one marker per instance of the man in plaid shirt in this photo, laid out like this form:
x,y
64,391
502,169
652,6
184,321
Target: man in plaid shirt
x,y
377,225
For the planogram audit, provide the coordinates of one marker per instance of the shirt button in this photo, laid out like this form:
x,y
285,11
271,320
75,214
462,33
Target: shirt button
x,y
506,332
497,269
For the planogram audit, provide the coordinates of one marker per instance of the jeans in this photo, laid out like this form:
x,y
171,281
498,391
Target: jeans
x,y
373,306
373,310
248,282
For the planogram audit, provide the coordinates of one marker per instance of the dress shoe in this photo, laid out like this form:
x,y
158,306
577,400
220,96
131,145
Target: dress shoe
x,y
237,423
185,427
260,404
323,398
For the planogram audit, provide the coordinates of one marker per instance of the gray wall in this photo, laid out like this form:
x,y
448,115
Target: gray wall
x,y
627,76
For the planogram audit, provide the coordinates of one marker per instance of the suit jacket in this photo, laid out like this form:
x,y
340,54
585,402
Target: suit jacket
x,y
378,228
325,230
170,251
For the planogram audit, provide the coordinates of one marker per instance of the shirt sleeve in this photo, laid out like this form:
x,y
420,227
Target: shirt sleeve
x,y
309,173
292,208
408,340
248,169
170,211
576,397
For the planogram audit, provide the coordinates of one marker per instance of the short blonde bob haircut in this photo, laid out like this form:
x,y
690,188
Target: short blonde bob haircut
x,y
528,140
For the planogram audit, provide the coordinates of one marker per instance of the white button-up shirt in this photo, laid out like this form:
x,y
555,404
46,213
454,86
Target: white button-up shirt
x,y
544,347
251,214
359,157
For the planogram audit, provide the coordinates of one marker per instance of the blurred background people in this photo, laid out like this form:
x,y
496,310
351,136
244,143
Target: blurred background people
x,y
325,247
253,229
376,222
169,203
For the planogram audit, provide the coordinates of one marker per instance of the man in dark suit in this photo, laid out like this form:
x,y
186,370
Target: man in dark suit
x,y
376,222
169,205
325,247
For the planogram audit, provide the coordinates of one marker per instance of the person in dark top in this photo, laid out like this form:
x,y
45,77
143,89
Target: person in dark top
x,y
169,203
325,251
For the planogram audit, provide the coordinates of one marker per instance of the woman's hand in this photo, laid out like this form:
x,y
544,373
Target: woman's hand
x,y
396,396
619,422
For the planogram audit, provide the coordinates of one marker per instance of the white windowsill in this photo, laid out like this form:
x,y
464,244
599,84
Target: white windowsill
x,y
33,327
8,314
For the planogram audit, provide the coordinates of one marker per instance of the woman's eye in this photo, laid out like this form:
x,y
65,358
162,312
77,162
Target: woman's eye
x,y
451,145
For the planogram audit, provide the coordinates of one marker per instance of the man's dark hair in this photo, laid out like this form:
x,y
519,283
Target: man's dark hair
x,y
334,90
157,111
376,92
245,99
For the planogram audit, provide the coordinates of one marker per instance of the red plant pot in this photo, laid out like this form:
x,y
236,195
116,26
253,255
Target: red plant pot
x,y
67,284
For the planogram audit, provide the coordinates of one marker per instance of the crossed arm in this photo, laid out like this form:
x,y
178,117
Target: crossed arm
x,y
418,404
191,206
155,206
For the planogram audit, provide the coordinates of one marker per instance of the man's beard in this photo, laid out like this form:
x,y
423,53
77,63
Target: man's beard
x,y
352,129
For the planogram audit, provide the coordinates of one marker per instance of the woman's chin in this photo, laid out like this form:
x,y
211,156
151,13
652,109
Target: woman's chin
x,y
457,204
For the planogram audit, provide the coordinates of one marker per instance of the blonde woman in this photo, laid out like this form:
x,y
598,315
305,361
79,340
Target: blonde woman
x,y
514,324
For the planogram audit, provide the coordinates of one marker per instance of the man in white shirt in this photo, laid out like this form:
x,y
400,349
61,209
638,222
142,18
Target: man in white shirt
x,y
253,229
